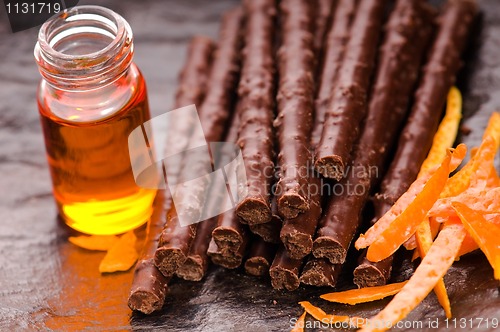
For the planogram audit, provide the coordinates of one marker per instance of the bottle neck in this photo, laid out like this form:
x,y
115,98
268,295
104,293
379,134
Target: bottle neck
x,y
84,48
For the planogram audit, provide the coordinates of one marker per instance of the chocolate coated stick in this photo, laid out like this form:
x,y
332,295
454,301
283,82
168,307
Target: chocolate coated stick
x,y
149,286
269,231
347,106
408,32
196,263
191,89
230,234
370,274
335,41
225,226
297,233
323,10
438,76
260,257
284,271
295,106
226,258
175,241
320,272
256,93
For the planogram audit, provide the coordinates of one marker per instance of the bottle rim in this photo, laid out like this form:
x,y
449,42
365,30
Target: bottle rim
x,y
86,70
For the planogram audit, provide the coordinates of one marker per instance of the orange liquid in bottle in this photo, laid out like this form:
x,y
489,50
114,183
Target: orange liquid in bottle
x,y
90,164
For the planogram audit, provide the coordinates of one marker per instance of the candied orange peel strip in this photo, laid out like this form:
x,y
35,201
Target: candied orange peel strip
x,y
485,234
424,243
300,323
122,256
406,223
486,201
432,268
468,245
325,318
94,242
484,155
362,295
408,208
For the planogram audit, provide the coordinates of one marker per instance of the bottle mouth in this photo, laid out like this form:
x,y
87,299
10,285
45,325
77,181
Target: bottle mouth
x,y
84,46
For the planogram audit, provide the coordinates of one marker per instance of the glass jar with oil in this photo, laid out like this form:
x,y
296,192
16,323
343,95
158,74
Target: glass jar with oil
x,y
90,98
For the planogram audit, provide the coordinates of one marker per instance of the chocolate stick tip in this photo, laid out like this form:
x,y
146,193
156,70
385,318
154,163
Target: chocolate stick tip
x,y
320,272
329,248
283,278
298,245
226,237
257,266
145,301
149,291
284,271
290,205
168,260
193,268
254,211
224,258
366,275
330,167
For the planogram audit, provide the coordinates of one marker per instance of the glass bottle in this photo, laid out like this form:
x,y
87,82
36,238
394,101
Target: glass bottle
x,y
90,98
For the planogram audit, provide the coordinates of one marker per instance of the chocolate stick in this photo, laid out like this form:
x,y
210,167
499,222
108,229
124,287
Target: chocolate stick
x,y
256,92
320,272
347,107
214,112
295,103
191,89
438,76
196,264
407,35
269,231
149,286
297,233
335,43
230,235
226,258
284,271
322,20
260,257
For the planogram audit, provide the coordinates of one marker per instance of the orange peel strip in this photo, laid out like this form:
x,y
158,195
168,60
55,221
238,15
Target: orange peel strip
x,y
484,160
432,268
122,256
468,245
300,323
411,243
486,201
406,223
485,234
94,242
435,227
446,133
325,318
409,204
362,295
486,151
424,243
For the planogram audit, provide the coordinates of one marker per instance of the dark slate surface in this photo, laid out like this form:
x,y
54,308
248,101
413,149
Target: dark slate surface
x,y
46,283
